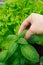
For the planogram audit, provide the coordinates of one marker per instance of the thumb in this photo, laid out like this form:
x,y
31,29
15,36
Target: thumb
x,y
29,33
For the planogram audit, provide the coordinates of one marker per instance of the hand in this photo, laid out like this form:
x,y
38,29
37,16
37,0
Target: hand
x,y
36,27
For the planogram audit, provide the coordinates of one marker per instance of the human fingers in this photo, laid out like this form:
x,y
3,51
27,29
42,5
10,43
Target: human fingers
x,y
24,24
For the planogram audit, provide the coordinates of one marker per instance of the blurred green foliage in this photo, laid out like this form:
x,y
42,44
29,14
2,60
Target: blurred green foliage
x,y
13,13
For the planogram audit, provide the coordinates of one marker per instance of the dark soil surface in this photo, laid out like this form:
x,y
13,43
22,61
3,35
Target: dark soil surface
x,y
40,51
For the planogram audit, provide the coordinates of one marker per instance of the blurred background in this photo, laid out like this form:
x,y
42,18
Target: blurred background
x,y
2,0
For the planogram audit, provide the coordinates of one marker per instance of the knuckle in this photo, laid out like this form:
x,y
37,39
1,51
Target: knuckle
x,y
32,30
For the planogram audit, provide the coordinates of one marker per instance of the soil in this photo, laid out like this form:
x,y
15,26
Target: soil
x,y
40,51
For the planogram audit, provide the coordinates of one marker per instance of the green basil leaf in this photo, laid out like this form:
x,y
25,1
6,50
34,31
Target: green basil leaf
x,y
2,63
3,55
23,34
22,41
30,53
12,48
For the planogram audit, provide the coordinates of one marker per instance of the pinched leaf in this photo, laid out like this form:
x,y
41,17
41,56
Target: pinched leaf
x,y
22,34
22,41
